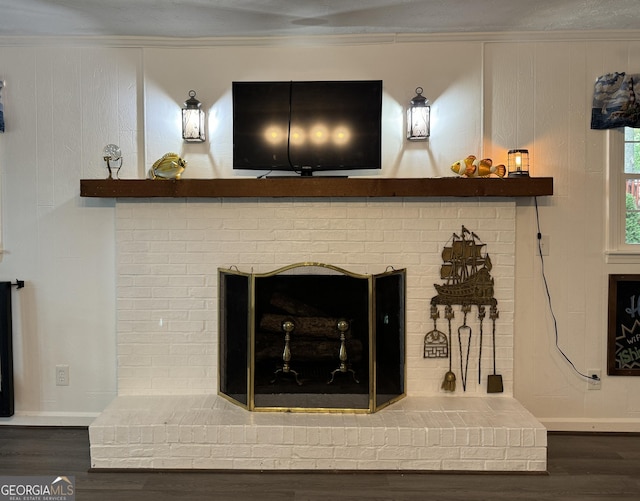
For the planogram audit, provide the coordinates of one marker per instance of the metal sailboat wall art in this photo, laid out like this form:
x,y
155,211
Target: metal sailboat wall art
x,y
466,270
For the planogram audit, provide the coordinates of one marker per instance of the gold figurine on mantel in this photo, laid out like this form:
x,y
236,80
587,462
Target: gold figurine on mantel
x,y
170,166
478,167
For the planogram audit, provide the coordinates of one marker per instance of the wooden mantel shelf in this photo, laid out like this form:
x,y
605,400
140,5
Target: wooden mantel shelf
x,y
318,187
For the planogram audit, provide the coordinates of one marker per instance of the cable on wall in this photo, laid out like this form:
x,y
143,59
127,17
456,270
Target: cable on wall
x,y
546,287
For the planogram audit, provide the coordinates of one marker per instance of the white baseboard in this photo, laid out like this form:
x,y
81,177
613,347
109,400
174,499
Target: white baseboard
x,y
604,425
50,419
551,424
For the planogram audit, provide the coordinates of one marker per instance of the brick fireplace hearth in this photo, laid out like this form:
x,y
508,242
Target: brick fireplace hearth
x,y
167,413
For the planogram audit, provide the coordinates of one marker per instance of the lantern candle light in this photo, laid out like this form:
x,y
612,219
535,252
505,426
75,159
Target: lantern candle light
x,y
518,163
193,120
418,118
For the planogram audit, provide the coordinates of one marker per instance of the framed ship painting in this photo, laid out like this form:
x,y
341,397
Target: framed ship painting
x,y
623,346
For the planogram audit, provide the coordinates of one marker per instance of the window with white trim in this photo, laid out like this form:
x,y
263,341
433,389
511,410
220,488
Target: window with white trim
x,y
631,179
624,196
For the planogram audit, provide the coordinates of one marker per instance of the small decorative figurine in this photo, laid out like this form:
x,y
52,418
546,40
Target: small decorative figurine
x,y
170,166
473,167
113,156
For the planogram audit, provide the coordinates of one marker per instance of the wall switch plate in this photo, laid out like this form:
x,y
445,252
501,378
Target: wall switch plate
x,y
594,384
62,375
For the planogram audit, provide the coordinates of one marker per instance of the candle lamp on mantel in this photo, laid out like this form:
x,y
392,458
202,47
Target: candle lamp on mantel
x,y
518,163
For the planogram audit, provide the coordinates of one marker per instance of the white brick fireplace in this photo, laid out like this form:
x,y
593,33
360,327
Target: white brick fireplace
x,y
167,413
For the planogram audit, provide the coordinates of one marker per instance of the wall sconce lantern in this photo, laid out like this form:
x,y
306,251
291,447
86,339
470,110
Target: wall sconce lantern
x,y
518,163
192,120
418,118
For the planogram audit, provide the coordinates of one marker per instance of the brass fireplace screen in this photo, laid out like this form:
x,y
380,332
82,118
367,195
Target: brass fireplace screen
x,y
312,336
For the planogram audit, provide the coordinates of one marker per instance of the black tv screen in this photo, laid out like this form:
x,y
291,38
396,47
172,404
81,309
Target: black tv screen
x,y
304,127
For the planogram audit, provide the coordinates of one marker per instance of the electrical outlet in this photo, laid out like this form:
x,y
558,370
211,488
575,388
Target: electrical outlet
x,y
594,384
542,245
62,375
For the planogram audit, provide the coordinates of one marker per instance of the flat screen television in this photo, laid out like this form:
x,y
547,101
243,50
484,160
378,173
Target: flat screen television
x,y
304,127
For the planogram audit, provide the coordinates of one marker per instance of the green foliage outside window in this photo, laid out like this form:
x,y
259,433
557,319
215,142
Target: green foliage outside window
x,y
632,166
632,151
632,223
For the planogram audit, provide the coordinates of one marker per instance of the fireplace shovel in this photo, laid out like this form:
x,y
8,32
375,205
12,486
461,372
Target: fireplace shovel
x,y
494,382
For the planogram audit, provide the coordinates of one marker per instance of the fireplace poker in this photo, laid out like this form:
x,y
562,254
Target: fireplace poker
x,y
481,314
464,328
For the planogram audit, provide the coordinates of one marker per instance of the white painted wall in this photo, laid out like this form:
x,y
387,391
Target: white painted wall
x,y
64,104
538,95
451,75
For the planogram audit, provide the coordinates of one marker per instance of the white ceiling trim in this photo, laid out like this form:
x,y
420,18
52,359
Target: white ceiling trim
x,y
318,40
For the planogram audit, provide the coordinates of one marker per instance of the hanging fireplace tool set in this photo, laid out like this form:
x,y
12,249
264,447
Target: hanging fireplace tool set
x,y
468,283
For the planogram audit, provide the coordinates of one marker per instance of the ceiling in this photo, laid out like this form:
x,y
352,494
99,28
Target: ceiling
x,y
263,18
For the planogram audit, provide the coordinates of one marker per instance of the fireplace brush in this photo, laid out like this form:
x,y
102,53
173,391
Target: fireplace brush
x,y
449,383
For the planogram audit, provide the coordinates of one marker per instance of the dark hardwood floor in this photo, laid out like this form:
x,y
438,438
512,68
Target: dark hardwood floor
x,y
581,467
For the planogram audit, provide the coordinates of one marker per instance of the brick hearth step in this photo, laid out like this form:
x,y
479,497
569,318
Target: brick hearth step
x,y
442,433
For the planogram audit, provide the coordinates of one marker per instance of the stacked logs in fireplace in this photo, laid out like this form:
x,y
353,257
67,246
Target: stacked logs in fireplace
x,y
306,344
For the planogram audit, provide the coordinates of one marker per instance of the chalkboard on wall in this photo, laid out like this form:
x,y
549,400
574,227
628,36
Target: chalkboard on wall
x,y
623,347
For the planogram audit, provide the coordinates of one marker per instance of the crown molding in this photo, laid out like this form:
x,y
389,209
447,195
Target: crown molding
x,y
319,40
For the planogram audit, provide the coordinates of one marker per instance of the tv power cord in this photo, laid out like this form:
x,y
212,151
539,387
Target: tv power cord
x,y
592,377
